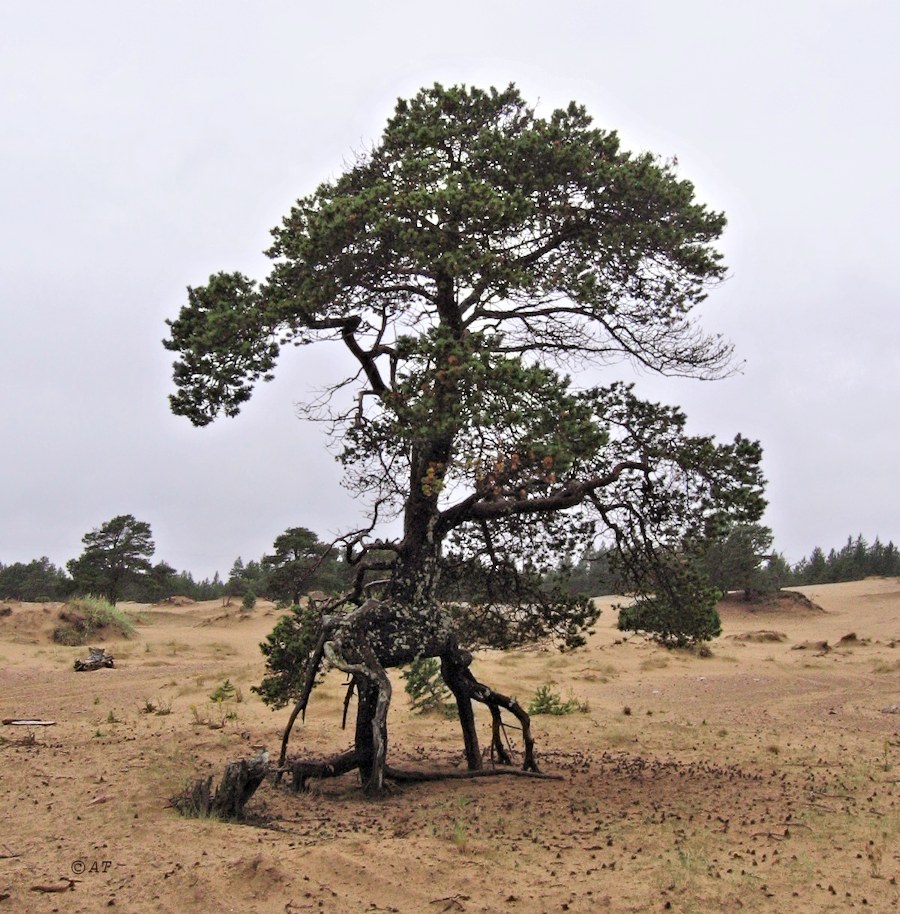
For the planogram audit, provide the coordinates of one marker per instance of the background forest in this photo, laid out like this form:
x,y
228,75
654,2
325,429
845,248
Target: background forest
x,y
301,562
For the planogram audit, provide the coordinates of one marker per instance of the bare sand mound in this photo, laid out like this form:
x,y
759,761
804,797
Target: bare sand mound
x,y
28,623
822,646
177,601
851,639
763,636
782,601
757,780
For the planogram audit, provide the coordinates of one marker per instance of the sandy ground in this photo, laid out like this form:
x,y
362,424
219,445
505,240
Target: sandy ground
x,y
763,778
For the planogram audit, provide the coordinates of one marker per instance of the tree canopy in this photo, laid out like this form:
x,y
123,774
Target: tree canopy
x,y
299,563
856,560
734,561
38,580
115,554
467,264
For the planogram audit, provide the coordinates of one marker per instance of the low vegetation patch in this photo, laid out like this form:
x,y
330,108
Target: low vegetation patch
x,y
83,618
218,710
654,662
161,707
546,701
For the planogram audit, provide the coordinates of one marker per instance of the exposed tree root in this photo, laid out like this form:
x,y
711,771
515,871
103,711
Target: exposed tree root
x,y
303,771
414,777
349,643
499,752
456,668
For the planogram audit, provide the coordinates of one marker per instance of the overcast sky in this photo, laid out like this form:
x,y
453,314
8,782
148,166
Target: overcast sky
x,y
146,145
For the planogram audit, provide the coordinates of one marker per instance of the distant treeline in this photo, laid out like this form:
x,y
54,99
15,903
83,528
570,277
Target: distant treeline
x,y
744,561
40,581
856,560
299,563
739,562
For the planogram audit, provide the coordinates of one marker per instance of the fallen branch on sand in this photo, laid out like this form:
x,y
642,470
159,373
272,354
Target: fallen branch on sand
x,y
67,886
27,722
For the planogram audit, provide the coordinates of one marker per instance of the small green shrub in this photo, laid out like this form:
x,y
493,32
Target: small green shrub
x,y
546,701
426,688
249,600
288,649
224,692
675,604
163,707
674,623
460,836
84,617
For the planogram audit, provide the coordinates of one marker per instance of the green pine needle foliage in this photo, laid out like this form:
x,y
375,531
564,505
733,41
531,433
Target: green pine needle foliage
x,y
224,692
288,649
546,701
426,688
679,612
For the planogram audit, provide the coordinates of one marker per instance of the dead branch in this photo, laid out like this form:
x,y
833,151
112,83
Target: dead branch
x,y
26,722
68,886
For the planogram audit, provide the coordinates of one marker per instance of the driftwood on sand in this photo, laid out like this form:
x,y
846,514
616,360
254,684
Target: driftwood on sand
x,y
27,722
97,658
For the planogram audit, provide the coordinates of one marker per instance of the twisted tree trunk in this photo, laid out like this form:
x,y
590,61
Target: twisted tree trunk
x,y
405,624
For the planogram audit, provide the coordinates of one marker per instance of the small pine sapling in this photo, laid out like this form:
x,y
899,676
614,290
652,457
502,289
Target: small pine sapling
x,y
426,688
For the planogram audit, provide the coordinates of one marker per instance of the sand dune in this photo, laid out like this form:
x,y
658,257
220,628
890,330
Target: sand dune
x,y
762,778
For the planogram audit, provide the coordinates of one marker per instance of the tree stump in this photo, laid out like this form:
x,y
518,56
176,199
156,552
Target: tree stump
x,y
238,784
96,659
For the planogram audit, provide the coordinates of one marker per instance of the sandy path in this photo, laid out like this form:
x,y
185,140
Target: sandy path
x,y
763,778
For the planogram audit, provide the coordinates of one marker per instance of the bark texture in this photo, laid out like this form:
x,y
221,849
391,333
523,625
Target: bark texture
x,y
97,658
239,782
